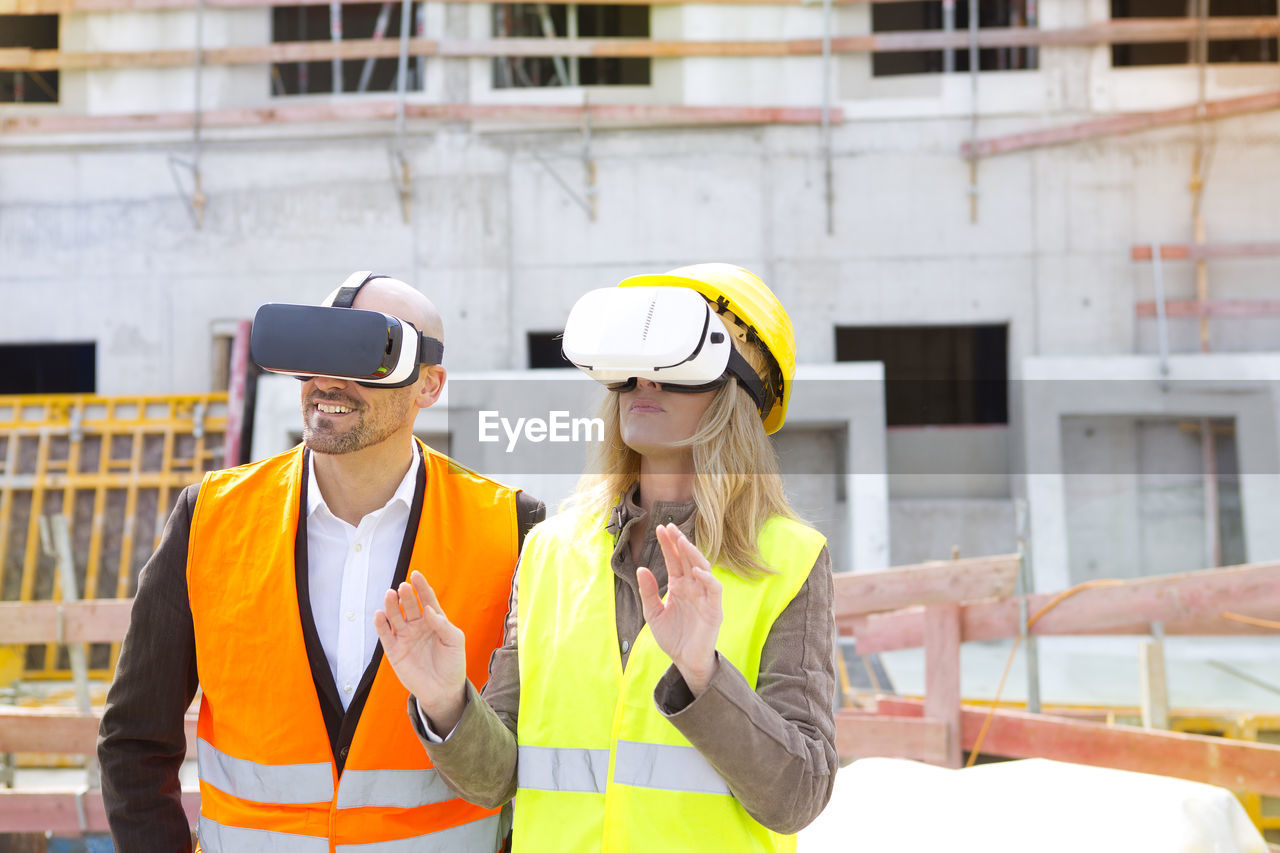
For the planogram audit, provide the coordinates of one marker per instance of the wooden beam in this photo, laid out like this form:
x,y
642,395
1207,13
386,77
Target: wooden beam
x,y
60,730
1233,764
1120,124
1206,251
1125,31
1153,685
904,629
93,621
56,811
942,674
52,7
626,115
937,582
1185,603
1211,308
864,735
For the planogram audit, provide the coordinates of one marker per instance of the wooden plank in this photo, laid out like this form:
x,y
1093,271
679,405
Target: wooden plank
x,y
1120,124
55,811
1207,251
942,674
1236,765
1186,604
1153,689
648,115
938,582
1211,308
862,735
904,629
94,621
51,7
1123,31
61,730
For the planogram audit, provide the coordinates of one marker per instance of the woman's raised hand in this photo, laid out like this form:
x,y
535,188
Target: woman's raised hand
x,y
687,623
426,650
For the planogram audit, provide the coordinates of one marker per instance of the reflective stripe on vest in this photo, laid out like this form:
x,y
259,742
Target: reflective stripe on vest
x,y
477,835
659,792
280,784
396,789
267,775
667,767
216,838
546,768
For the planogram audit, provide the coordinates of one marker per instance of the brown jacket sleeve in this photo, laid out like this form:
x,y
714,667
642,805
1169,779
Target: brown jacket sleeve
x,y
141,742
775,745
478,758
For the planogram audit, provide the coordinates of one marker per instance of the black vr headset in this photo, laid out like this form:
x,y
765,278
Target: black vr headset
x,y
335,340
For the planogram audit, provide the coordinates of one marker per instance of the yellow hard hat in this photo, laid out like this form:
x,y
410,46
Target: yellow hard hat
x,y
741,291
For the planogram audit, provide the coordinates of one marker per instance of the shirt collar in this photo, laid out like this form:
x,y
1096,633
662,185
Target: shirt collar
x,y
403,493
629,509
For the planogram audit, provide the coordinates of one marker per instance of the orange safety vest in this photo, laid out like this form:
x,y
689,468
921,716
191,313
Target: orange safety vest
x,y
268,781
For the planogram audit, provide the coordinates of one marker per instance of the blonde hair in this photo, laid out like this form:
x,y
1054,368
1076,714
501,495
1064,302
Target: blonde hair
x,y
736,487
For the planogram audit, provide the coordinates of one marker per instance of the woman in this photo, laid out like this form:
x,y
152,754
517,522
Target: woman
x,y
667,677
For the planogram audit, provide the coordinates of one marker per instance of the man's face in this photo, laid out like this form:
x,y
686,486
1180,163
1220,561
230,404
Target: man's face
x,y
340,416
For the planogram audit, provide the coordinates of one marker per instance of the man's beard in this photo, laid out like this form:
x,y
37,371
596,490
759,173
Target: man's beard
x,y
364,433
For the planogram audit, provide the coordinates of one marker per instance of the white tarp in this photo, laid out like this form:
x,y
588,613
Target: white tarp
x,y
891,804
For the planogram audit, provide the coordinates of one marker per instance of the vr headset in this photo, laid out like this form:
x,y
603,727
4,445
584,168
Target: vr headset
x,y
335,340
670,335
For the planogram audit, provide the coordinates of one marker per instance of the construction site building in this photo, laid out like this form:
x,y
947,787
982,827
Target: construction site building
x,y
958,213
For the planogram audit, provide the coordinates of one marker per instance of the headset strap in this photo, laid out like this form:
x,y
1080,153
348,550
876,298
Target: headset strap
x,y
430,350
346,293
747,377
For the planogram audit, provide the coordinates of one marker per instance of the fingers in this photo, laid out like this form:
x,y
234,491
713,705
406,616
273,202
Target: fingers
x,y
426,594
392,613
690,552
669,539
383,628
709,587
650,602
409,602
444,630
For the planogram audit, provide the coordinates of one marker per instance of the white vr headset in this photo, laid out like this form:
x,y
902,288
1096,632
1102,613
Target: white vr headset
x,y
337,341
670,335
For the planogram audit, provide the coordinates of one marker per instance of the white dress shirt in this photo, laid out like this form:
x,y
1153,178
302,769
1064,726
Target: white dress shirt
x,y
349,571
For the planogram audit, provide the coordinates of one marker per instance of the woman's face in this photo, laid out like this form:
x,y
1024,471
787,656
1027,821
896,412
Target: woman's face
x,y
652,420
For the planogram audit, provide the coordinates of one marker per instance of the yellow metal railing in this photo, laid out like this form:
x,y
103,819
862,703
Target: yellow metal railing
x,y
1259,728
113,466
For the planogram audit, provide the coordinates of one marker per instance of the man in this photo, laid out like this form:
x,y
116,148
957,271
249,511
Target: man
x,y
263,590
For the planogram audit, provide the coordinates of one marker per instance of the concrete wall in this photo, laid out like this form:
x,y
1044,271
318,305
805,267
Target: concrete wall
x,y
99,245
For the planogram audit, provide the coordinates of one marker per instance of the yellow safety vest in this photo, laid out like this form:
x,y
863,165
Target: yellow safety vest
x,y
599,767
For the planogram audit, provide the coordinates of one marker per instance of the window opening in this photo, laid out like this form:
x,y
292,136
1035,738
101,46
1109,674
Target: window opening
x,y
929,15
1181,53
48,368
544,350
559,20
38,32
357,21
936,374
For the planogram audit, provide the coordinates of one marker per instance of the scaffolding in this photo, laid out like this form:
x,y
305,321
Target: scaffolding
x,y
112,466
